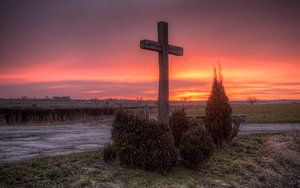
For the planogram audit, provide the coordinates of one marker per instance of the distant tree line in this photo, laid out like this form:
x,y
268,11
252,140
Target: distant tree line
x,y
16,116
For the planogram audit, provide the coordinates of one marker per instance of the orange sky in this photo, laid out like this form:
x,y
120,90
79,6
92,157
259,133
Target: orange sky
x,y
91,49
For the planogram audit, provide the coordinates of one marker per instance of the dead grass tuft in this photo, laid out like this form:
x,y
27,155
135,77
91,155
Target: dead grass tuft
x,y
280,161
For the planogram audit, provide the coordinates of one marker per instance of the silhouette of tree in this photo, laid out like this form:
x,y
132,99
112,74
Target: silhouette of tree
x,y
218,111
252,100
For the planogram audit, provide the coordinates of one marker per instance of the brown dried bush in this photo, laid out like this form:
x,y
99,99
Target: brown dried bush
x,y
109,152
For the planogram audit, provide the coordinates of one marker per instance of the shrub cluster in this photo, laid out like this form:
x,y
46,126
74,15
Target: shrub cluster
x,y
15,116
109,153
218,112
179,124
151,146
196,146
143,143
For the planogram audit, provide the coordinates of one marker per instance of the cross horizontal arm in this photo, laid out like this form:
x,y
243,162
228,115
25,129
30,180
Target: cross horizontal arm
x,y
155,46
150,45
175,50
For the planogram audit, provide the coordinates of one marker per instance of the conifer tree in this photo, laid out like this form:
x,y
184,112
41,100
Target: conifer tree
x,y
218,111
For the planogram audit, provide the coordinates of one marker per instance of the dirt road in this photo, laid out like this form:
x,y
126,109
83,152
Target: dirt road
x,y
26,142
268,128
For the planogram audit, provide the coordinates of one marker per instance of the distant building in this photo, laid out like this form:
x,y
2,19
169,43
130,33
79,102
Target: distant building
x,y
62,98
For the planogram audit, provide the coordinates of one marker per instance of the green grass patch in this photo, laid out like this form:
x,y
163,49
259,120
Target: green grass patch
x,y
260,113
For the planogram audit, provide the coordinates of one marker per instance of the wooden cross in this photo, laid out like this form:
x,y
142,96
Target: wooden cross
x,y
163,49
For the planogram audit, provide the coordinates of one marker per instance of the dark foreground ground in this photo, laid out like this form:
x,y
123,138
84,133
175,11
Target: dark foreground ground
x,y
259,160
21,142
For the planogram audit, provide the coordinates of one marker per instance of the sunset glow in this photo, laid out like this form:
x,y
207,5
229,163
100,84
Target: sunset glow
x,y
48,50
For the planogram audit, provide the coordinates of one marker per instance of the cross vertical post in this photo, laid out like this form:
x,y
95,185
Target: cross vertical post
x,y
164,49
163,92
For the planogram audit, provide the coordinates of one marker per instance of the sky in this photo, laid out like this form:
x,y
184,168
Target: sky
x,y
90,49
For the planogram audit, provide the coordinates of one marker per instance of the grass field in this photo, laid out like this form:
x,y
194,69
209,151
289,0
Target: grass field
x,y
250,161
260,113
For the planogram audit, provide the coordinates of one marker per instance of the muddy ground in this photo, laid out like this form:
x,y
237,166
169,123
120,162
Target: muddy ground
x,y
26,142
